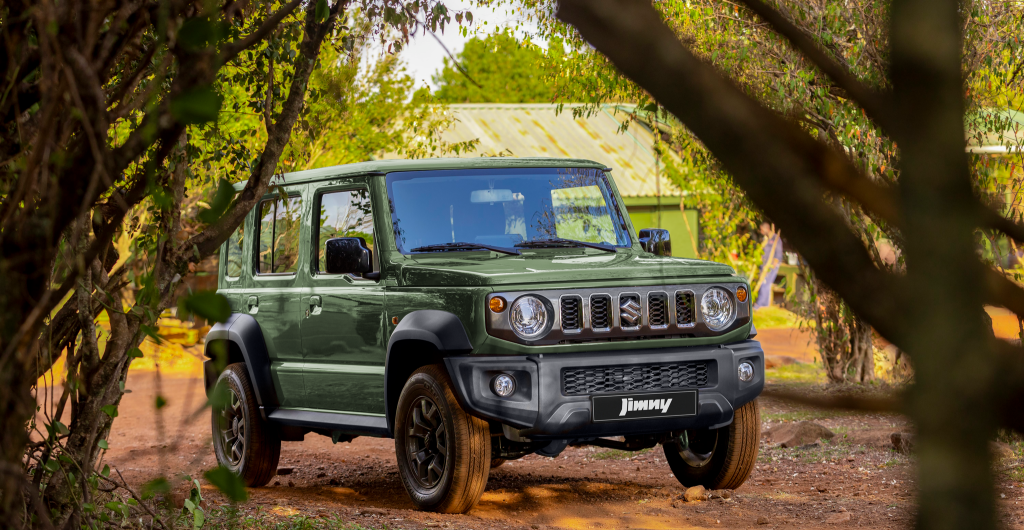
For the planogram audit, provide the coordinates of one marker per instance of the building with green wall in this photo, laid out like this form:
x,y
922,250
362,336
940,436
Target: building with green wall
x,y
605,136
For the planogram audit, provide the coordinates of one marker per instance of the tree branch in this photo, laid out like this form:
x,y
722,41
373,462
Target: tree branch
x,y
875,104
231,49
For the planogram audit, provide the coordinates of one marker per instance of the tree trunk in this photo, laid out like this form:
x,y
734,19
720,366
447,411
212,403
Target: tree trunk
x,y
862,351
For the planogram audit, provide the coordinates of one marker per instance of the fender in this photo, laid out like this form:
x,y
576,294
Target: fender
x,y
441,329
244,332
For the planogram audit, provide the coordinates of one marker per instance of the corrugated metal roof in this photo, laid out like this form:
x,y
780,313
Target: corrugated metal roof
x,y
521,130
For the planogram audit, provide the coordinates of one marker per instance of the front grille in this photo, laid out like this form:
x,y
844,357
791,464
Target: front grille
x,y
600,316
684,309
657,310
630,312
632,378
572,313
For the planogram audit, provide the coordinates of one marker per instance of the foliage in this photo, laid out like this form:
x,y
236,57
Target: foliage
x,y
499,69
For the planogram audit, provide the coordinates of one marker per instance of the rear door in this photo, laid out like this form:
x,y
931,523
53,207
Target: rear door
x,y
343,331
274,298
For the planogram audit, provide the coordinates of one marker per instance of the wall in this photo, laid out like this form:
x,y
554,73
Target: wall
x,y
643,212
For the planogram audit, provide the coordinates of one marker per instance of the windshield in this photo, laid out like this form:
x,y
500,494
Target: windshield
x,y
503,207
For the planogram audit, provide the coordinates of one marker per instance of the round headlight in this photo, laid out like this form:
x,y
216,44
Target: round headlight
x,y
717,308
528,317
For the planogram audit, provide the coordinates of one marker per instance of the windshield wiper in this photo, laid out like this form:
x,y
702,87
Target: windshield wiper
x,y
561,242
465,246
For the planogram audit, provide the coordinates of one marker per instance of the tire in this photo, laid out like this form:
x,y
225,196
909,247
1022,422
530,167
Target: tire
x,y
721,458
246,444
444,454
497,462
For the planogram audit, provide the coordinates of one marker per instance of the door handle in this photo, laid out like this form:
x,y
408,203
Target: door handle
x,y
316,305
254,305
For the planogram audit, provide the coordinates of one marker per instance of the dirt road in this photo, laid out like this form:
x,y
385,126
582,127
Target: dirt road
x,y
857,481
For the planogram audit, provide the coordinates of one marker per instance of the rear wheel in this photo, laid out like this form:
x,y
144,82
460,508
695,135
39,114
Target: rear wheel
x,y
720,458
444,454
242,440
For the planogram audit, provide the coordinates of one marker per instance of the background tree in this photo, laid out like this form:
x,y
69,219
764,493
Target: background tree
x,y
499,69
967,383
112,117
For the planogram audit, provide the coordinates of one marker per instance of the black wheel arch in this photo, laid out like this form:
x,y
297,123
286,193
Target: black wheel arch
x,y
241,339
421,338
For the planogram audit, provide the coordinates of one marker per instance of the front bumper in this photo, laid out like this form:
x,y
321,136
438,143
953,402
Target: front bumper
x,y
541,409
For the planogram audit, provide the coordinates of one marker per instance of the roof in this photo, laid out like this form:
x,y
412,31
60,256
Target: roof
x,y
426,164
536,129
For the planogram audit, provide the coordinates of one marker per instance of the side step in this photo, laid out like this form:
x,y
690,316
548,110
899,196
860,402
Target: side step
x,y
355,424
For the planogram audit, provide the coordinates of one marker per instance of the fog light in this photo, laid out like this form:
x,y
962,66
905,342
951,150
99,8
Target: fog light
x,y
746,371
504,385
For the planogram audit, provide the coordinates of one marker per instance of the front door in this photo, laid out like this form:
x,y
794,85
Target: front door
x,y
343,327
274,299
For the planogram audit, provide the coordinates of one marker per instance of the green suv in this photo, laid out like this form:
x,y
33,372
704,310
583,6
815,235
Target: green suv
x,y
477,311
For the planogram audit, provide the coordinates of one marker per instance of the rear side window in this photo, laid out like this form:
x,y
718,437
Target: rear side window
x,y
280,221
235,253
344,214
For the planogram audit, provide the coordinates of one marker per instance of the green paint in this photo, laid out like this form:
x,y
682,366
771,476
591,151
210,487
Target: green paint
x,y
650,212
333,358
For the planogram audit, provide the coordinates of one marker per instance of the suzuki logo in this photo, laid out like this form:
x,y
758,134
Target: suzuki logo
x,y
630,312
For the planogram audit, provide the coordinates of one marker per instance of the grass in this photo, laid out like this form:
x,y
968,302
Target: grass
x,y
804,373
615,454
802,415
773,317
264,521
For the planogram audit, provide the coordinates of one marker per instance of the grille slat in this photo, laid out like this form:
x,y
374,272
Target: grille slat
x,y
684,309
572,314
657,310
600,316
630,378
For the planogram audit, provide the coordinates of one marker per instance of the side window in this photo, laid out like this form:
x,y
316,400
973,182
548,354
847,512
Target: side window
x,y
280,221
344,214
234,256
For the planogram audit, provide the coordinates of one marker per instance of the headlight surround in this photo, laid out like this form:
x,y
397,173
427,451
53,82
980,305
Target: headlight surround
x,y
717,308
529,317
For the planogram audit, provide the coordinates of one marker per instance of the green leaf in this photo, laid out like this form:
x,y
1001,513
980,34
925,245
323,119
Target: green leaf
x,y
60,427
207,304
133,353
228,483
106,470
322,11
155,486
189,505
197,105
198,33
200,518
102,444
109,410
52,466
220,203
160,402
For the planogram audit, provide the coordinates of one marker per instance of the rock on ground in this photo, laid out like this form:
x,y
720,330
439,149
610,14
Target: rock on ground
x,y
694,494
798,433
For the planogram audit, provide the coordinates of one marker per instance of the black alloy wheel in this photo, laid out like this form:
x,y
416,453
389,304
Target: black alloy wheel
x,y
232,429
427,443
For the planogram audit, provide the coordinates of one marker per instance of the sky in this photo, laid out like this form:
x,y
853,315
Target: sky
x,y
424,56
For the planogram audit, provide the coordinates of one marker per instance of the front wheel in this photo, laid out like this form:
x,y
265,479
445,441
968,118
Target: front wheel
x,y
242,440
444,454
720,458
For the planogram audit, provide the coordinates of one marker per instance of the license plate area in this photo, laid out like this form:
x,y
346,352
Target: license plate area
x,y
643,406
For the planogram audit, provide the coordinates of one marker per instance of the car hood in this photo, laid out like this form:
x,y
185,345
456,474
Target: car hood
x,y
453,269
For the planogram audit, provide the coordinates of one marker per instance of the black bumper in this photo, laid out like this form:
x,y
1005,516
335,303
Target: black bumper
x,y
541,409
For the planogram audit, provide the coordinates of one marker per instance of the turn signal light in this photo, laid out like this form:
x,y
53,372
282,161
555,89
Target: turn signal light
x,y
497,304
741,294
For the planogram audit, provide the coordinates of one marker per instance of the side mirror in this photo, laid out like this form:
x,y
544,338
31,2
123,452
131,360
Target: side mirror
x,y
348,255
656,241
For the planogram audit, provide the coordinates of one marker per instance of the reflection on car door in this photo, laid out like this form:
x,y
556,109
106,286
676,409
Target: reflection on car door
x,y
274,297
343,332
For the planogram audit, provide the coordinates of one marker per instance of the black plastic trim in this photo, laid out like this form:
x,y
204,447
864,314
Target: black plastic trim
x,y
355,424
540,411
244,332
